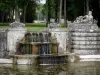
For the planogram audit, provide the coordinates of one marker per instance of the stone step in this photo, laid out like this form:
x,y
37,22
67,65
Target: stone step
x,y
85,38
6,61
86,42
85,30
86,46
83,24
84,27
19,61
89,56
85,34
86,52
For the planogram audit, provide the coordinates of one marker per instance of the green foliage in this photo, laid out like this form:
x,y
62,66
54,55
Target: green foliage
x,y
6,5
50,10
75,9
50,7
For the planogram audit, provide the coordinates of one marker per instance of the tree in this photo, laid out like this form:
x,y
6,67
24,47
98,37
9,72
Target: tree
x,y
44,11
31,11
5,8
95,7
87,6
57,5
24,5
9,8
65,13
50,7
60,12
17,17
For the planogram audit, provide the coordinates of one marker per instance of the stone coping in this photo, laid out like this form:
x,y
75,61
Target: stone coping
x,y
82,24
89,56
37,43
23,56
17,29
46,55
84,30
58,29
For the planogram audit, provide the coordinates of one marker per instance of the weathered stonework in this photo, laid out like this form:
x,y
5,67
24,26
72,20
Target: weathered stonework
x,y
84,38
3,44
84,35
61,36
62,39
15,34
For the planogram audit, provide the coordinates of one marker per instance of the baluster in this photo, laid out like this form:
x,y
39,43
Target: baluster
x,y
49,40
33,37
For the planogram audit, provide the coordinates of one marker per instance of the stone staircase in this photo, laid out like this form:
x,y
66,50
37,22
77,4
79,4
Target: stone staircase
x,y
85,39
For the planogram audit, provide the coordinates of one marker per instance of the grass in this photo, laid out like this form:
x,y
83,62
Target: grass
x,y
35,26
29,26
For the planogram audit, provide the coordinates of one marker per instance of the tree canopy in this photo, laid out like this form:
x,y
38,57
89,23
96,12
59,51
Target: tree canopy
x,y
9,8
73,8
25,10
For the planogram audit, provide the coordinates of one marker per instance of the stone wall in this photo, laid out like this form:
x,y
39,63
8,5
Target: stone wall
x,y
85,38
3,44
16,32
62,38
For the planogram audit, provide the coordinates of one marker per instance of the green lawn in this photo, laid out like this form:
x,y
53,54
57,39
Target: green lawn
x,y
29,26
35,26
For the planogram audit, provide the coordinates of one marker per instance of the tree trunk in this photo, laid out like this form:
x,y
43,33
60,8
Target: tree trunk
x,y
56,10
60,12
65,20
2,18
98,14
24,14
47,18
87,6
24,11
12,19
38,16
12,15
17,18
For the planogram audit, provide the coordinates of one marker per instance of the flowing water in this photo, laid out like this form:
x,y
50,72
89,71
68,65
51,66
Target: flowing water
x,y
80,68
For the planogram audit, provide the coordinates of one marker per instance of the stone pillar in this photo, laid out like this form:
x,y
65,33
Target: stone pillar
x,y
61,37
15,34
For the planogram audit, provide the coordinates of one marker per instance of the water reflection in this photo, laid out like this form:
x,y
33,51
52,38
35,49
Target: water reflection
x,y
80,68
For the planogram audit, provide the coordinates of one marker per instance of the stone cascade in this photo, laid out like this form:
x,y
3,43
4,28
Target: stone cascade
x,y
85,38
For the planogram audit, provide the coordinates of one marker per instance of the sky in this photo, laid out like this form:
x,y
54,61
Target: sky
x,y
43,1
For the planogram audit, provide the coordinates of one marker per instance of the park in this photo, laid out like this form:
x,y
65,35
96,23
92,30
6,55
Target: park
x,y
49,37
